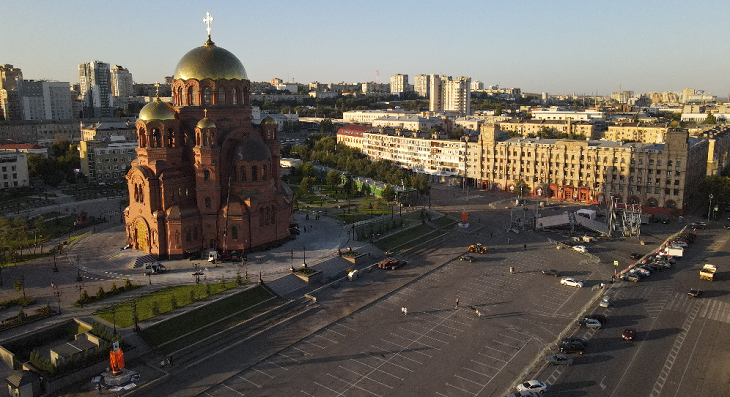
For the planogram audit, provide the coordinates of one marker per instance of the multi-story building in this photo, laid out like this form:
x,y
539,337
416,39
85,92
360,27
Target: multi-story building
x,y
398,83
532,128
11,92
25,148
105,130
448,94
368,116
107,161
660,177
648,133
96,91
409,122
47,100
477,85
39,131
370,87
121,82
14,170
436,92
422,85
575,115
622,97
686,93
352,135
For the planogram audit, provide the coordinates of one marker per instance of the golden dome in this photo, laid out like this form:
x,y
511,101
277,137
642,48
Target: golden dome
x,y
205,123
269,120
210,62
157,110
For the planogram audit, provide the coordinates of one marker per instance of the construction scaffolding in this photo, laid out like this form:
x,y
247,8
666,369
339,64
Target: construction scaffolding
x,y
624,219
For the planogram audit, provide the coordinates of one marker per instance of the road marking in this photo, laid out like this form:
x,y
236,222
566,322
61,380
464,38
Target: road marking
x,y
377,369
259,371
332,390
255,384
353,384
285,369
230,388
365,376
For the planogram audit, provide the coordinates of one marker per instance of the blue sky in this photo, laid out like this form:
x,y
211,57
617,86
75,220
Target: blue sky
x,y
560,47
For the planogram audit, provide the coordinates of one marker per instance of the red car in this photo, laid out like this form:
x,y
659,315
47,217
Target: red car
x,y
629,333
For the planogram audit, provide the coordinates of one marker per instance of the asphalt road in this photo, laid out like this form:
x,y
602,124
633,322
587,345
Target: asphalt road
x,y
680,348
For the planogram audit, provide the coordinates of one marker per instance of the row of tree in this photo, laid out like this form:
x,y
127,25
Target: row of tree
x,y
16,234
60,165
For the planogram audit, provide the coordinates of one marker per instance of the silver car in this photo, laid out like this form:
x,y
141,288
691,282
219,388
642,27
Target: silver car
x,y
559,359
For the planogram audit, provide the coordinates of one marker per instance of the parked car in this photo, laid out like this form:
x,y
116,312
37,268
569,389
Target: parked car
x,y
695,292
467,258
630,277
575,339
573,347
698,225
635,255
571,282
534,386
629,333
605,302
581,248
559,359
600,317
589,323
551,272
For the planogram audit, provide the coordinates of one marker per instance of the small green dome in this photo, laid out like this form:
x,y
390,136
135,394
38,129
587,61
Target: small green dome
x,y
269,120
205,123
157,110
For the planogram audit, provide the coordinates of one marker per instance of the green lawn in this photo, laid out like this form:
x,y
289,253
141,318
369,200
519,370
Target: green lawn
x,y
392,241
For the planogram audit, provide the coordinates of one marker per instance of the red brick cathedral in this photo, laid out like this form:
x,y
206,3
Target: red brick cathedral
x,y
205,176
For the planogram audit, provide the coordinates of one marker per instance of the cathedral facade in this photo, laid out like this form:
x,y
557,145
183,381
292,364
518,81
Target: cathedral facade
x,y
205,176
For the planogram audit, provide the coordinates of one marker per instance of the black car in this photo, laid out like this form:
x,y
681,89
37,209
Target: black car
x,y
635,255
551,272
574,339
600,317
572,347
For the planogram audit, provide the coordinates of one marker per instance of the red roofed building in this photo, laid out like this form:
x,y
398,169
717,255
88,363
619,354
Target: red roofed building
x,y
351,135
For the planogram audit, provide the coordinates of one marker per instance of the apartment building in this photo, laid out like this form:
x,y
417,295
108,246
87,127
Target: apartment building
x,y
449,94
38,131
47,100
106,130
422,85
398,83
11,91
14,170
370,87
659,176
653,133
409,122
352,135
96,90
122,84
575,115
368,116
107,161
532,128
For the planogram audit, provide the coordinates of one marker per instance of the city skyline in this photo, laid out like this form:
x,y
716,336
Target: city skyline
x,y
560,47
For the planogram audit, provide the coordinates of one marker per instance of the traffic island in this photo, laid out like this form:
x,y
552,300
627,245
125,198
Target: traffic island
x,y
311,276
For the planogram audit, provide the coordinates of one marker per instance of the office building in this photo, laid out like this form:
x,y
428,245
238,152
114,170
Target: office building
x,y
95,90
11,91
47,100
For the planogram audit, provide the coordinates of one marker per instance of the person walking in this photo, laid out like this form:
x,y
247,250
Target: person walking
x,y
479,314
98,387
405,311
525,247
457,303
169,360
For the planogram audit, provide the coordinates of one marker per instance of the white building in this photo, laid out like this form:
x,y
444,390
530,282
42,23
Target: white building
x,y
14,170
422,85
95,89
398,83
47,100
457,95
368,116
477,85
372,87
409,122
575,115
121,81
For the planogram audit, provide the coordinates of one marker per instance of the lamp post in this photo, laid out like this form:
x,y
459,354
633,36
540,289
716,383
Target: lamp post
x,y
709,210
58,297
304,256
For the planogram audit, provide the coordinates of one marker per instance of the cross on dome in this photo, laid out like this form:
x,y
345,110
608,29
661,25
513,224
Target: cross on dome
x,y
207,20
205,113
157,88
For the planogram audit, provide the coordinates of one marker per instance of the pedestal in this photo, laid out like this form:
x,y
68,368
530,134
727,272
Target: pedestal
x,y
123,377
464,224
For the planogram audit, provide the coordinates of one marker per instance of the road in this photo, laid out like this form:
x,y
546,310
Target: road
x,y
680,348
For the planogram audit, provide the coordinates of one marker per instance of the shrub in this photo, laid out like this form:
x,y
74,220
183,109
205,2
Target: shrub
x,y
44,311
84,296
127,284
239,279
21,315
155,308
207,289
114,289
192,296
223,283
173,302
100,294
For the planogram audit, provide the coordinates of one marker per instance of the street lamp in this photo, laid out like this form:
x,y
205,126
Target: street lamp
x,y
709,210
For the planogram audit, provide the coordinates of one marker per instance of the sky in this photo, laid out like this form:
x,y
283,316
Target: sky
x,y
559,47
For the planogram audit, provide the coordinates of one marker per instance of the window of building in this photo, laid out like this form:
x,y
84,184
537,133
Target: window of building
x,y
191,96
222,96
234,96
638,189
234,232
243,173
651,161
679,163
207,96
12,168
206,175
207,202
254,173
669,163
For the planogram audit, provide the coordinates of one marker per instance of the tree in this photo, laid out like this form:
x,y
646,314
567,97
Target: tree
x,y
520,188
388,193
333,179
326,126
711,119
306,170
306,185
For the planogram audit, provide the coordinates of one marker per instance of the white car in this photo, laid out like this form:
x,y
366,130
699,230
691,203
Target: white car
x,y
534,386
589,323
605,302
581,248
571,282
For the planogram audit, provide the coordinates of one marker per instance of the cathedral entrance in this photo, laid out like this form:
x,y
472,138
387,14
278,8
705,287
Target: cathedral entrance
x,y
142,236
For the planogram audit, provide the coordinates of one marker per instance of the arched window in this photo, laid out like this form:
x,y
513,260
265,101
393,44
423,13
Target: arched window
x,y
156,137
261,217
206,175
254,173
234,232
243,173
266,218
222,96
197,139
188,238
179,98
170,138
234,96
207,96
207,202
263,172
190,97
142,138
273,215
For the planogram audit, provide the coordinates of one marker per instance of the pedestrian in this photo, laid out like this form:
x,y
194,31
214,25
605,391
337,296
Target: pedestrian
x,y
457,303
405,311
169,360
491,234
479,314
525,247
507,240
98,387
53,285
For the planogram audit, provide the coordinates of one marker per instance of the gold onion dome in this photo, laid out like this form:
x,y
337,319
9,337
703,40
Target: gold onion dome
x,y
210,62
157,110
205,123
270,120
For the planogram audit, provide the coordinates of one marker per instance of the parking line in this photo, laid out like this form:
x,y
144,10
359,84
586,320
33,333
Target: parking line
x,y
377,369
302,391
353,385
459,388
230,388
497,350
365,376
345,326
476,372
257,370
439,332
285,369
303,352
486,365
327,339
293,359
313,344
332,390
391,363
338,333
424,335
416,341
468,380
251,382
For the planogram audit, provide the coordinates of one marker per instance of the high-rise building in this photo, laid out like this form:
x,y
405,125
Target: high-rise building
x,y
686,93
477,85
421,85
449,94
96,91
11,91
47,100
398,83
121,81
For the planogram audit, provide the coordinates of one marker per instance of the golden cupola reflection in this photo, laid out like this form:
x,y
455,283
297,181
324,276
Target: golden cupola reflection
x,y
210,62
157,110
